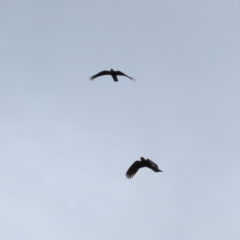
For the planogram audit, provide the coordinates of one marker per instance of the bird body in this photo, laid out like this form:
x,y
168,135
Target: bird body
x,y
113,73
140,164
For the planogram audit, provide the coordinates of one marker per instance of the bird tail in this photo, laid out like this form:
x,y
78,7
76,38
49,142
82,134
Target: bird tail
x,y
115,78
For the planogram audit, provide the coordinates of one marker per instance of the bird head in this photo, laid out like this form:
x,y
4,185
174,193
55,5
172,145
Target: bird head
x,y
142,159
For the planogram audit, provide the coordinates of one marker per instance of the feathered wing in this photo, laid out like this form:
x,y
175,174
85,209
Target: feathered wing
x,y
154,166
133,169
100,74
123,74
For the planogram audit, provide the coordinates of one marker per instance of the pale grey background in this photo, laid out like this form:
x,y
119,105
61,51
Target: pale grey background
x,y
66,142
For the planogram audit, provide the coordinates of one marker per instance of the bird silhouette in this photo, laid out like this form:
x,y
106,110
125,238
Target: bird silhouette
x,y
140,164
113,73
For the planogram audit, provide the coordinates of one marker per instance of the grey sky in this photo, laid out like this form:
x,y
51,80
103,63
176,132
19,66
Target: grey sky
x,y
66,142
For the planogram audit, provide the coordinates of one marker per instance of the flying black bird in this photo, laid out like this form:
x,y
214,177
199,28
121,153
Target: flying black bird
x,y
113,73
139,164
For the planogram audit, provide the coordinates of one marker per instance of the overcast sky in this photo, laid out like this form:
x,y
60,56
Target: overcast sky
x,y
67,142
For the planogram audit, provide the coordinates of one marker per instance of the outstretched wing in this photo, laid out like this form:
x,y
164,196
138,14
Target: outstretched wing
x,y
100,74
133,169
153,166
123,74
